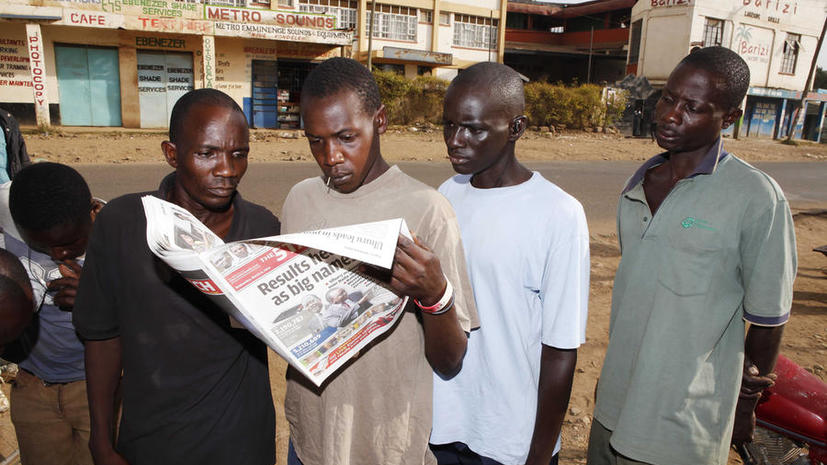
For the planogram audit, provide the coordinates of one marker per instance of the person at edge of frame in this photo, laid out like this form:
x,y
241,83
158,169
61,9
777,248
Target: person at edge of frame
x,y
707,243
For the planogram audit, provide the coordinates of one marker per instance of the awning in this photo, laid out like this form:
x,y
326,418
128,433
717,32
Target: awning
x,y
417,56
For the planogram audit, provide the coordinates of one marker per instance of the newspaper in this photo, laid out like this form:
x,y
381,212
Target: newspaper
x,y
302,294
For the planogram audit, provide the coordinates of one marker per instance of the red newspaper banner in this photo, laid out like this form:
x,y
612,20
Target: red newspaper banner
x,y
207,286
262,265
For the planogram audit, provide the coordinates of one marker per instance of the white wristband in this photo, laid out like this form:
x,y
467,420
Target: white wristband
x,y
443,301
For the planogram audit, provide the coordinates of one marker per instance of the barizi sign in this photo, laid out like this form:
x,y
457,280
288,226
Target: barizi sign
x,y
753,43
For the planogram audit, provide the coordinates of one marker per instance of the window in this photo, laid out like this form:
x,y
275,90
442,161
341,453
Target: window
x,y
394,22
424,71
475,31
426,16
790,57
343,10
444,19
713,32
516,21
634,42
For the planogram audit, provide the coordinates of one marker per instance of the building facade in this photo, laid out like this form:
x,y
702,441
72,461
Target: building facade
x,y
126,62
777,39
585,42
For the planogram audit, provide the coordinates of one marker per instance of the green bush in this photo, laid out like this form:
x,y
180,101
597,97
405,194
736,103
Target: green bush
x,y
424,101
393,88
411,100
573,107
419,100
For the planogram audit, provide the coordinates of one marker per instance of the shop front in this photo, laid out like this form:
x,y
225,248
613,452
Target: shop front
x,y
118,63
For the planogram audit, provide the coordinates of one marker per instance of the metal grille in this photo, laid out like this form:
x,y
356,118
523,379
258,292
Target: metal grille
x,y
791,46
771,448
713,32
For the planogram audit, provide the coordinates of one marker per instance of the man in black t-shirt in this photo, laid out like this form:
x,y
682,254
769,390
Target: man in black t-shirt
x,y
195,391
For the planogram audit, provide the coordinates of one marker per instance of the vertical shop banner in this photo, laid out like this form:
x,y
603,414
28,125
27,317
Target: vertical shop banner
x,y
208,55
37,64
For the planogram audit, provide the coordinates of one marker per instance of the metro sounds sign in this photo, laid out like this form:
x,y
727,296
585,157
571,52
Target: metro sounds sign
x,y
286,33
273,17
276,25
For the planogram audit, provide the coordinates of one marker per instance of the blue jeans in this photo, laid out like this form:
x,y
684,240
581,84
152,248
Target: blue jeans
x,y
292,458
458,453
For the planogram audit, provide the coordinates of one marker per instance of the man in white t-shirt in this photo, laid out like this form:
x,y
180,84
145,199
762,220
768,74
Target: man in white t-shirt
x,y
527,247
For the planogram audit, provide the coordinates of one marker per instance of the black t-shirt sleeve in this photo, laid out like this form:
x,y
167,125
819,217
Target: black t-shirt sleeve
x,y
95,312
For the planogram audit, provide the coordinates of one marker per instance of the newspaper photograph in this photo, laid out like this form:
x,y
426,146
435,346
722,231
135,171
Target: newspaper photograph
x,y
302,294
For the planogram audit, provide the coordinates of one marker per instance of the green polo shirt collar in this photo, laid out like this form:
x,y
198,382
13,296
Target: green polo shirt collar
x,y
707,166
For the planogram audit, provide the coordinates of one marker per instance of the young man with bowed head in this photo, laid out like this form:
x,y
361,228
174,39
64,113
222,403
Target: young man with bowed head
x,y
707,242
52,211
195,390
527,247
377,410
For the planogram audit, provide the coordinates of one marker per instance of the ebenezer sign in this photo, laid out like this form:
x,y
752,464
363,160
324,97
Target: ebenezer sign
x,y
276,25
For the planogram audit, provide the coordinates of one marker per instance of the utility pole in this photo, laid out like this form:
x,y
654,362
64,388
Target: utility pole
x,y
808,84
370,34
591,43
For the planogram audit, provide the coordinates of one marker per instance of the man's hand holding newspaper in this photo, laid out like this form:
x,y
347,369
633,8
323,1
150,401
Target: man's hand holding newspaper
x,y
302,294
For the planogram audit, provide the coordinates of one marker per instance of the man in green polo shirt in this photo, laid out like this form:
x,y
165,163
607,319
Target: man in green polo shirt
x,y
707,243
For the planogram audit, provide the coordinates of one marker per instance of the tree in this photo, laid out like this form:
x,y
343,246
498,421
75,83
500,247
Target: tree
x,y
821,79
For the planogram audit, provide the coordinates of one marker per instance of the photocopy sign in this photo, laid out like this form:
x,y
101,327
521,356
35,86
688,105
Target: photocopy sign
x,y
37,64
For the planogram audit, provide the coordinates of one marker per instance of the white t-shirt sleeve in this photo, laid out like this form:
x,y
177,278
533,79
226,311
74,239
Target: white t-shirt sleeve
x,y
565,286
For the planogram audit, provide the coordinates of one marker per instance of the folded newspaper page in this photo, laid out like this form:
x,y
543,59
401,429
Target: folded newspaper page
x,y
302,294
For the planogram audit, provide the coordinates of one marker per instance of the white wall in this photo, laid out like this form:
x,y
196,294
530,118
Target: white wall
x,y
664,41
755,29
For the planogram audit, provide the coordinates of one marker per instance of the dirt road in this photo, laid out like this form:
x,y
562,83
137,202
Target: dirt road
x,y
805,339
402,144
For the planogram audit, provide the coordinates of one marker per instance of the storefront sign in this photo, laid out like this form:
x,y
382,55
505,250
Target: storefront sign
x,y
151,78
89,18
660,3
176,25
159,42
753,43
777,93
260,50
778,7
275,17
419,56
208,56
160,7
271,32
37,63
14,64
